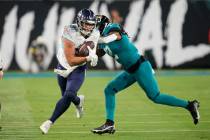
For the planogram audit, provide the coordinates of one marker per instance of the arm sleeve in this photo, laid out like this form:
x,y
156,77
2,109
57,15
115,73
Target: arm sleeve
x,y
95,40
108,39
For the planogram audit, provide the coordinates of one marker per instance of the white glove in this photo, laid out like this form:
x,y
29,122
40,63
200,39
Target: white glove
x,y
63,73
94,61
92,57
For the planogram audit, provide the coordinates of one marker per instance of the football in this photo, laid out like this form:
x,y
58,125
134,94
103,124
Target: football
x,y
83,51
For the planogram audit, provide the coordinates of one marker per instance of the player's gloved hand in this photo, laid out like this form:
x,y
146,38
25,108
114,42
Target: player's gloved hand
x,y
92,57
94,61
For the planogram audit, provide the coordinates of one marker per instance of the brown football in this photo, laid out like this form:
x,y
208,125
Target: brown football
x,y
83,50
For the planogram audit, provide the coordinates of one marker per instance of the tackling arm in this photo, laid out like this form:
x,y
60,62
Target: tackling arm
x,y
113,36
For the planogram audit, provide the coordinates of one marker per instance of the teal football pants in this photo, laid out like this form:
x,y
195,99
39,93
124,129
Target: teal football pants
x,y
145,78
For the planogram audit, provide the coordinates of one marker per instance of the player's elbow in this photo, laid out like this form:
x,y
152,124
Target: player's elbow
x,y
71,60
72,63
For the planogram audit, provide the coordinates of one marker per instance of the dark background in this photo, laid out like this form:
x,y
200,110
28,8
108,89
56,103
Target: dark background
x,y
196,28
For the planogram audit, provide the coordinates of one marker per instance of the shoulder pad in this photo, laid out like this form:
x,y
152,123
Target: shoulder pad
x,y
114,27
70,31
74,27
110,28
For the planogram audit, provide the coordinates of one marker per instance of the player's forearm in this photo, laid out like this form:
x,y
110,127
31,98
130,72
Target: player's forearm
x,y
69,51
113,36
76,60
108,39
72,59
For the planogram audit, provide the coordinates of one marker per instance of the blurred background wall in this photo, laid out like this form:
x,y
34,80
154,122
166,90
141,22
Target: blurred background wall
x,y
170,33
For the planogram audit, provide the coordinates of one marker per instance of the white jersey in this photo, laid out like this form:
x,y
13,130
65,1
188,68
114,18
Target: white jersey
x,y
72,33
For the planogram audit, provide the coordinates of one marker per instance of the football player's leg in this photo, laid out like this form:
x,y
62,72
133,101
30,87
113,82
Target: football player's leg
x,y
78,101
62,83
77,78
61,80
121,82
147,81
74,82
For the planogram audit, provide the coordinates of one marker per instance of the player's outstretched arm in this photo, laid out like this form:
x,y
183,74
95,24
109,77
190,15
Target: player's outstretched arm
x,y
113,36
69,51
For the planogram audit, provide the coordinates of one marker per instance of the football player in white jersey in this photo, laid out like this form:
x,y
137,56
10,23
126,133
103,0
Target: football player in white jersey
x,y
71,68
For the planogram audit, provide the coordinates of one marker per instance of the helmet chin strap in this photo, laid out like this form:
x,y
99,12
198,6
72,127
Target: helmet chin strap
x,y
84,33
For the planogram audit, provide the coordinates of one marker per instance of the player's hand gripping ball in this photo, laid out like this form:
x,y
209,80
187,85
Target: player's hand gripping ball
x,y
83,51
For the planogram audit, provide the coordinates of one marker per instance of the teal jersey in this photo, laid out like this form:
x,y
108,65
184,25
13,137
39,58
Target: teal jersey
x,y
122,50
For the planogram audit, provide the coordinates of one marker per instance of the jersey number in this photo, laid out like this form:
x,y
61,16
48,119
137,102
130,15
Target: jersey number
x,y
110,53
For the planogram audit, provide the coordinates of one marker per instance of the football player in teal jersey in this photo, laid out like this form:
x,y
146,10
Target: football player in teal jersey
x,y
115,42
